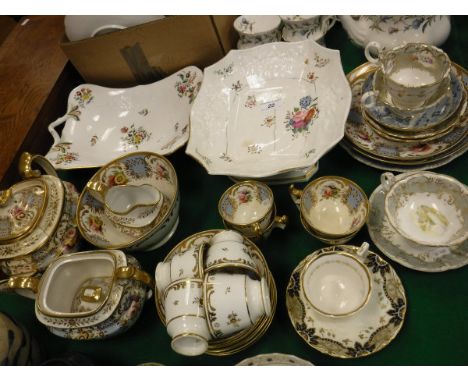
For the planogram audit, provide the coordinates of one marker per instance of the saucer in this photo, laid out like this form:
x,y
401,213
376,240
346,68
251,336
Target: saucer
x,y
406,252
365,332
274,359
427,118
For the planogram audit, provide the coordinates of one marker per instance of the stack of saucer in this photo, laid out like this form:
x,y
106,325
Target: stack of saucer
x,y
215,294
412,126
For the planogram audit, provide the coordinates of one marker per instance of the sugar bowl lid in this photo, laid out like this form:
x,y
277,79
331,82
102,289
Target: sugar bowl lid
x,y
30,210
21,207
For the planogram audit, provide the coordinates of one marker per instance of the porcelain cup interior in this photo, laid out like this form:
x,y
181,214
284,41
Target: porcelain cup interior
x,y
249,26
78,285
234,302
413,73
334,207
427,208
336,284
227,250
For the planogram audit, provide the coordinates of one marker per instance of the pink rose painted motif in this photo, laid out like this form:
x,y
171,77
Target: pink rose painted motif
x,y
300,119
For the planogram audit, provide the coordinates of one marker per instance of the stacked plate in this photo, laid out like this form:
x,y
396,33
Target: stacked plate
x,y
245,338
387,138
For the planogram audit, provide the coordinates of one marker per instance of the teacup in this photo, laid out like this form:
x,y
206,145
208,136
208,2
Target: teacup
x,y
413,74
332,208
337,284
257,30
128,205
187,264
185,317
227,250
427,208
234,302
298,28
249,207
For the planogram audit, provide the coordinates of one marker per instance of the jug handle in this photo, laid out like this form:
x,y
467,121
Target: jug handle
x,y
367,52
25,166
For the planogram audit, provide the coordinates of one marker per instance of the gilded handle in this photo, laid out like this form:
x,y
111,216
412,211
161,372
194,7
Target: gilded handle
x,y
25,166
132,273
19,282
296,195
281,221
4,197
257,230
97,189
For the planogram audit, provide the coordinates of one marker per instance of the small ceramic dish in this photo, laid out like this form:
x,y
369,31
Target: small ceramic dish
x,y
412,73
333,207
249,208
268,110
102,124
427,208
337,284
131,169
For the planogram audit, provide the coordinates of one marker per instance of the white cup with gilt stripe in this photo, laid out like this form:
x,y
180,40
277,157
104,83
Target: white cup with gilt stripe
x,y
234,302
185,317
183,265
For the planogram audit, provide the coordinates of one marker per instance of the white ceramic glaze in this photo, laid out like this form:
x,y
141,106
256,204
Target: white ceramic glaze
x,y
427,208
249,25
274,359
412,74
299,28
102,124
270,109
79,27
233,302
337,284
189,335
392,31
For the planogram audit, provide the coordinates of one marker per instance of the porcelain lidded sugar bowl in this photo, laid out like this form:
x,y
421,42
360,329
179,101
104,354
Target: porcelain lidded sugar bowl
x,y
249,207
332,209
427,208
143,212
37,219
88,295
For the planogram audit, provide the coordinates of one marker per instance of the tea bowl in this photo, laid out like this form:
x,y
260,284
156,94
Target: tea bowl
x,y
337,284
427,208
249,207
333,208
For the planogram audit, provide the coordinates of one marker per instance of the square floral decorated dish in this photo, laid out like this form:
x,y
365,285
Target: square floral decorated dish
x,y
102,124
269,109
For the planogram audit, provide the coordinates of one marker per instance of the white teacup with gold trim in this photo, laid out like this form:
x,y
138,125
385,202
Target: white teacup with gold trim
x,y
185,317
249,207
234,302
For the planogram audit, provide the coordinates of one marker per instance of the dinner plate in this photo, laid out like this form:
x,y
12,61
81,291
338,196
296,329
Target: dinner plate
x,y
102,124
269,109
406,252
365,332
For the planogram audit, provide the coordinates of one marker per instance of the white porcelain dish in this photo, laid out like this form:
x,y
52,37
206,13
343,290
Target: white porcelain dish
x,y
269,109
79,27
102,124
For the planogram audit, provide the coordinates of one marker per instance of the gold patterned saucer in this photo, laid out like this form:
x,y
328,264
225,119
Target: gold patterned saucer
x,y
245,338
361,334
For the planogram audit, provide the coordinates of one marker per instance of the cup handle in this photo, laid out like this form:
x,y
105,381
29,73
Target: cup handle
x,y
281,221
97,189
104,27
257,230
367,51
25,166
328,22
387,180
296,195
133,273
5,196
363,249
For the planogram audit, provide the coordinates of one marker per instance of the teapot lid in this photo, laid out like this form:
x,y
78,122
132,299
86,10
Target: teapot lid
x,y
21,207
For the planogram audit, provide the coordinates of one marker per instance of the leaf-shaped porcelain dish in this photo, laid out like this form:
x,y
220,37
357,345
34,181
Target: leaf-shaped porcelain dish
x,y
102,124
269,109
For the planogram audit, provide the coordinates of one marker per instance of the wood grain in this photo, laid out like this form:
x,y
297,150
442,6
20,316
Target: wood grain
x,y
31,61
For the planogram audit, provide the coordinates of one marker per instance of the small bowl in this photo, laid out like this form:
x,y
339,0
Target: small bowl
x,y
427,208
337,284
332,207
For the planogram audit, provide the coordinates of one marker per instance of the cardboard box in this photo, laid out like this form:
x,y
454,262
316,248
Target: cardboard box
x,y
148,52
